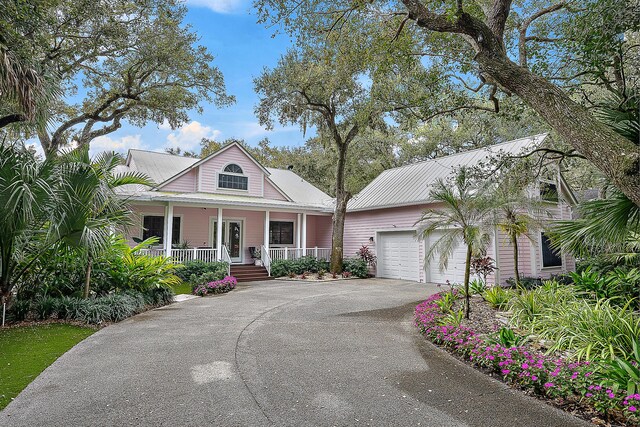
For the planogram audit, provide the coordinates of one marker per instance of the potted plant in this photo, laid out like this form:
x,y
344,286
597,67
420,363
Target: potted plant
x,y
256,255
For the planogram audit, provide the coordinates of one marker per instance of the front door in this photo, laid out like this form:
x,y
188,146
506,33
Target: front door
x,y
231,237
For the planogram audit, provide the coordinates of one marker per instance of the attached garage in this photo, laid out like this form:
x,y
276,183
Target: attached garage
x,y
398,255
454,272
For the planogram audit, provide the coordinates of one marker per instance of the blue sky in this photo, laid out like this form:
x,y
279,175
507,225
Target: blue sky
x,y
242,48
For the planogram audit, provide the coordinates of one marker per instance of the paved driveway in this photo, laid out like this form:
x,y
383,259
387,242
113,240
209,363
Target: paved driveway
x,y
274,353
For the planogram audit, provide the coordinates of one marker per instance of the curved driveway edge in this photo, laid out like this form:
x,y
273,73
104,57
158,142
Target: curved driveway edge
x,y
274,353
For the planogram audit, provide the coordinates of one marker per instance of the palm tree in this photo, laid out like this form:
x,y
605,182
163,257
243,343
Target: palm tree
x,y
58,202
94,208
516,215
612,225
465,216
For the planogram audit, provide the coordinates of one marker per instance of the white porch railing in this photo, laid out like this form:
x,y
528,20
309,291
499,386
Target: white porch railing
x,y
180,256
226,258
295,253
266,259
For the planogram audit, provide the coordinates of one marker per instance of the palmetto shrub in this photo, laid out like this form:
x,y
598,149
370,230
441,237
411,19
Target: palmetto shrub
x,y
197,268
43,307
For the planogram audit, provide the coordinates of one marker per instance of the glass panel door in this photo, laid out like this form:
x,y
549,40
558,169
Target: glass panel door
x,y
235,241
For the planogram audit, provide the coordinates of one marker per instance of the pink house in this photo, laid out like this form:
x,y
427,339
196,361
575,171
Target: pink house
x,y
227,206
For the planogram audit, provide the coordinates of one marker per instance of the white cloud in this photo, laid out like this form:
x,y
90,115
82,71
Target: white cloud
x,y
219,6
121,144
189,136
164,125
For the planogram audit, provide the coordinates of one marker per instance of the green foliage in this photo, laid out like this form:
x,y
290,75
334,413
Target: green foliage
x,y
497,297
624,372
191,271
44,307
19,310
446,302
280,268
356,266
508,338
620,285
477,287
526,282
454,318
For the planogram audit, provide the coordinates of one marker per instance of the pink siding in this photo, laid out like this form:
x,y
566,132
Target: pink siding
x,y
196,222
185,184
270,192
505,257
210,168
323,232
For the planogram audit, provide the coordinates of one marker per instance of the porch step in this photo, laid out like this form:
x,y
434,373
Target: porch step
x,y
249,273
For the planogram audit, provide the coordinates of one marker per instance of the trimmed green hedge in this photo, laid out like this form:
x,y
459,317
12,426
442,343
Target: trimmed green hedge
x,y
199,272
280,268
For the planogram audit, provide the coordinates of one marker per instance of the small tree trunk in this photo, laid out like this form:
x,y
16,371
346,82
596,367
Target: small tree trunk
x,y
516,271
87,279
342,198
467,274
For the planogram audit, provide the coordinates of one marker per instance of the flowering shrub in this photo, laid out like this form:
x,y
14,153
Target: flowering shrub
x,y
216,287
545,375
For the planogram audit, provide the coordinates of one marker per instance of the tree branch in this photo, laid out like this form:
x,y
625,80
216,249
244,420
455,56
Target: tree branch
x,y
498,15
524,27
12,118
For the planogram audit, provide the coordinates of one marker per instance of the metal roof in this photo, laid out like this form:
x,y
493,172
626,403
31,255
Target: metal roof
x,y
162,166
297,188
411,184
215,199
158,166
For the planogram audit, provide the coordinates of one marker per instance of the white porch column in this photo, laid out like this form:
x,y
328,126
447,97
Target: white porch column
x,y
299,232
266,230
168,228
219,235
304,233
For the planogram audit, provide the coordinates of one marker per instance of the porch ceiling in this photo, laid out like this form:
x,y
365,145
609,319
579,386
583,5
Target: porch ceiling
x,y
214,200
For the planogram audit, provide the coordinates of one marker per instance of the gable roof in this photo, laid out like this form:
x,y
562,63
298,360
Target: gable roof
x,y
158,166
411,184
163,168
211,156
297,188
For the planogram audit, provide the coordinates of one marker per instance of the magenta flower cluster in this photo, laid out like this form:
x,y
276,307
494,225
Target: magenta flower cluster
x,y
529,369
216,287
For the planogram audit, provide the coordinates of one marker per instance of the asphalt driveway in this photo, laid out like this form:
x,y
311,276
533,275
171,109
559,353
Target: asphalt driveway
x,y
274,353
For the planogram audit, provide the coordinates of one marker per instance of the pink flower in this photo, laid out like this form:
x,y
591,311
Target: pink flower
x,y
505,371
548,385
534,378
588,394
525,366
633,408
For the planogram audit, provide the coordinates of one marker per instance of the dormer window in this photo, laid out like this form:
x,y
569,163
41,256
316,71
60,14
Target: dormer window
x,y
233,178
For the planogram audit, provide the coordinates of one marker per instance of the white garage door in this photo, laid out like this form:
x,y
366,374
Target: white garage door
x,y
398,255
454,272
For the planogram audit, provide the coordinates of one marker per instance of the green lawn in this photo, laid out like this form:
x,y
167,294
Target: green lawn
x,y
183,288
27,351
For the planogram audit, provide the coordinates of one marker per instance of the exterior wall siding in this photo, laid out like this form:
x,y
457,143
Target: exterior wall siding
x,y
185,184
270,192
211,168
196,222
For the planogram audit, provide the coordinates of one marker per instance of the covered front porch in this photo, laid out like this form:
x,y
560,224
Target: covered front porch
x,y
233,234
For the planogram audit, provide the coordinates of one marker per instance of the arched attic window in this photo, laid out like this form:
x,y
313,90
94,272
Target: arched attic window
x,y
232,178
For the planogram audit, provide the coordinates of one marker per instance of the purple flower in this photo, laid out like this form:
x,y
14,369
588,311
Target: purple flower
x,y
525,366
548,385
505,371
589,394
534,378
633,408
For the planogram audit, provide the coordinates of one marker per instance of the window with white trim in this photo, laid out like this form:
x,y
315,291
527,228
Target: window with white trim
x,y
232,178
153,226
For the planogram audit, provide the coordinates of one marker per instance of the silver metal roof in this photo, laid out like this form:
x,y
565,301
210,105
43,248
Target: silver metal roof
x,y
162,166
297,188
159,166
411,184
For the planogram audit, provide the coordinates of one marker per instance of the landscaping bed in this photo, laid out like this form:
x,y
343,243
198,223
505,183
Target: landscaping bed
x,y
505,341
